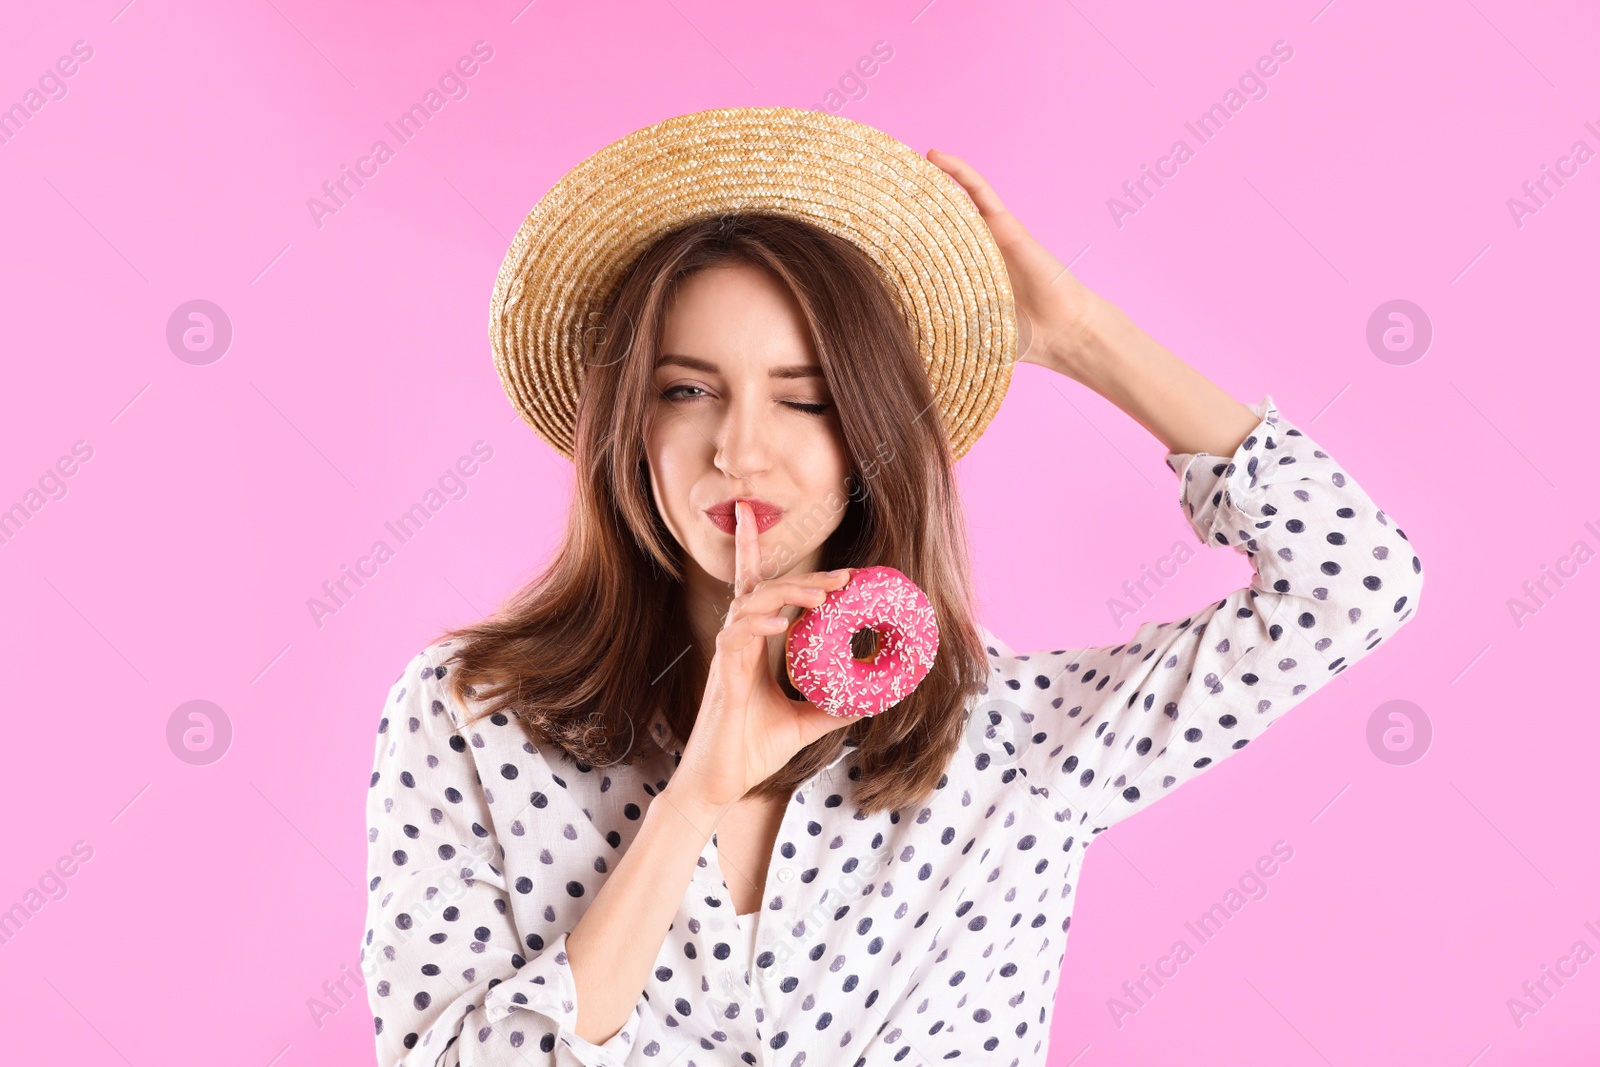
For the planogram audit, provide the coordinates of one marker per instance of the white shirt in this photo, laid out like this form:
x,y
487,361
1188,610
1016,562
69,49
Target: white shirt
x,y
918,936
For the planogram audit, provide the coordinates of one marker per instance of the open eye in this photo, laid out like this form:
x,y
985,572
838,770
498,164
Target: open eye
x,y
668,394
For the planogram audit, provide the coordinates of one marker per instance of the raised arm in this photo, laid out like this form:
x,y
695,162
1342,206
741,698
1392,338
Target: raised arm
x,y
1105,732
1101,733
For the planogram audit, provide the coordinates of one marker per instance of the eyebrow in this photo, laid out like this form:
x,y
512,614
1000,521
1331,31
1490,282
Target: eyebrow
x,y
799,370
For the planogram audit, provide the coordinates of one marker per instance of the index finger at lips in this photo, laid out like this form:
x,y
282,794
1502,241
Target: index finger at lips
x,y
746,549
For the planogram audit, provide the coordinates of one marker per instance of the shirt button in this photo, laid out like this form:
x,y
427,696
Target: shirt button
x,y
785,874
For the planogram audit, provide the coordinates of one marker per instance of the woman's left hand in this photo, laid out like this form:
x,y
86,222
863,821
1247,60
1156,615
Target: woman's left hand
x,y
1052,304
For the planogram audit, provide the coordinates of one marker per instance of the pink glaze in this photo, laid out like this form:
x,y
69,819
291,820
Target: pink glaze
x,y
818,645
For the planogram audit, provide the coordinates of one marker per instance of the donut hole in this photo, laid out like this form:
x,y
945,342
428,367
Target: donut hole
x,y
865,643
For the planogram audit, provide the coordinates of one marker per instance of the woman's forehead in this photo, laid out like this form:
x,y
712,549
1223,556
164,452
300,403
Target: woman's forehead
x,y
736,306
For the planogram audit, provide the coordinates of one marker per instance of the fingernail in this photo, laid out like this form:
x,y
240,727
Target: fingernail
x,y
839,573
810,589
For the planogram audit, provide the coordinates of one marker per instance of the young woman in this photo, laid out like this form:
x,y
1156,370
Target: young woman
x,y
603,830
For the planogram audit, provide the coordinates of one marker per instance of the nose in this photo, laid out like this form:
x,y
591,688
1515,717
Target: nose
x,y
743,449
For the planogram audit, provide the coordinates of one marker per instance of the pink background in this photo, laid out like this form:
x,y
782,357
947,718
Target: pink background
x,y
219,498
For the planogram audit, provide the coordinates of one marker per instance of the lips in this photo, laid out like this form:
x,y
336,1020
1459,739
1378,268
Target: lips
x,y
767,515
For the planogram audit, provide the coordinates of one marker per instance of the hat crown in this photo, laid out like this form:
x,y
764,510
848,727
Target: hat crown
x,y
913,221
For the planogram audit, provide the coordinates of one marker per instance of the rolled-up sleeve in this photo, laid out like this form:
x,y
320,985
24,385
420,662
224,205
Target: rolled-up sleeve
x,y
450,979
1104,732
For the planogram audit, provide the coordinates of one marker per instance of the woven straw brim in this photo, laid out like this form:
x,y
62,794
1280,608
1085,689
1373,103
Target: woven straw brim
x,y
911,219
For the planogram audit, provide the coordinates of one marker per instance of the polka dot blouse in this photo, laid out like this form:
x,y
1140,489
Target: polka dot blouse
x,y
929,934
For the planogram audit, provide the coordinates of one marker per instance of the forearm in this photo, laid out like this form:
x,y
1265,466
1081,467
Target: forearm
x,y
1189,413
617,940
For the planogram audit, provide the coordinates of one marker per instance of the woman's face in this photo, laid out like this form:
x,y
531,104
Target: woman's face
x,y
743,411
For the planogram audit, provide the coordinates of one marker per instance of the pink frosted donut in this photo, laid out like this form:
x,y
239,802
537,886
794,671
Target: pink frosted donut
x,y
822,666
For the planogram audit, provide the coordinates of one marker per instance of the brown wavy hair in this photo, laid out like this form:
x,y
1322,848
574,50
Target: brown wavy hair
x,y
585,653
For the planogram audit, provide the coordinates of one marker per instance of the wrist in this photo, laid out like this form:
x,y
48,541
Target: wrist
x,y
699,814
1073,341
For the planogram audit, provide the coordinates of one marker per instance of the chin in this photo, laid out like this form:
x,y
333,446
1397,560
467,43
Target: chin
x,y
713,563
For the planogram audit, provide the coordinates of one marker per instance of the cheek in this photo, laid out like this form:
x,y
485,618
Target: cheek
x,y
672,460
836,455
827,467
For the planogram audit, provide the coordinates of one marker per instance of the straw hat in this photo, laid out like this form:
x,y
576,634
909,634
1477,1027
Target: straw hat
x,y
913,220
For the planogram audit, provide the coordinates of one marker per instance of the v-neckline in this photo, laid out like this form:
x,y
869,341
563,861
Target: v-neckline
x,y
750,923
745,923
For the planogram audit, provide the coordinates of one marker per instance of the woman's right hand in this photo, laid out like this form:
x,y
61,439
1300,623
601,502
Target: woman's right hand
x,y
747,728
